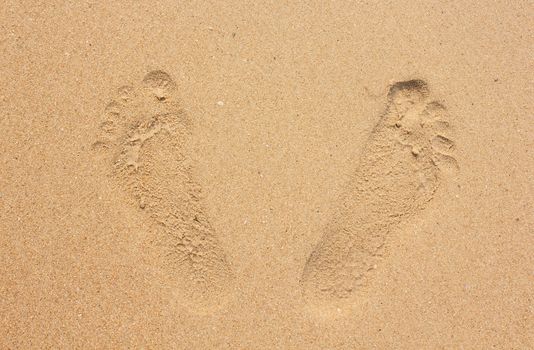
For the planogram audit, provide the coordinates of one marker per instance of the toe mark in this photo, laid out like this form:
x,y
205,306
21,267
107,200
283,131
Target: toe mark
x,y
442,144
410,90
112,109
445,162
107,126
160,84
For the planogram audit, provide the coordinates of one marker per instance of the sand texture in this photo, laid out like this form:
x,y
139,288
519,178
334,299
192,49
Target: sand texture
x,y
266,175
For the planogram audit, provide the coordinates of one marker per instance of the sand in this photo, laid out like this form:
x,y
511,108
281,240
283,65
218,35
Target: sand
x,y
266,175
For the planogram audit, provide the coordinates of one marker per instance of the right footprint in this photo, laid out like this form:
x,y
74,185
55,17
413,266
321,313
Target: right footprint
x,y
403,162
145,142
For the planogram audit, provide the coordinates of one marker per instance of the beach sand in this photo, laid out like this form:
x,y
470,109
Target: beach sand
x,y
266,175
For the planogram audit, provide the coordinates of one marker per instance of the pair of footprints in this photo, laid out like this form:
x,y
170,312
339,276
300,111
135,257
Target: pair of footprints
x,y
146,137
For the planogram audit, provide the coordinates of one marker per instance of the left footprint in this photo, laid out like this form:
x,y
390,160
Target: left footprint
x,y
145,138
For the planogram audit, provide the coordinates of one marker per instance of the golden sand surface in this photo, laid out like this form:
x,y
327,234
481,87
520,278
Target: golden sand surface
x,y
266,175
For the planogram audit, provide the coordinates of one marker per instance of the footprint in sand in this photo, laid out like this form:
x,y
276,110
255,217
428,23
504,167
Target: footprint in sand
x,y
404,160
145,138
